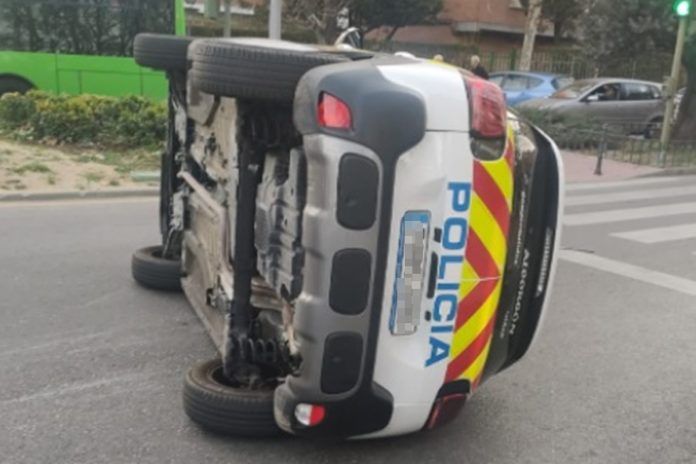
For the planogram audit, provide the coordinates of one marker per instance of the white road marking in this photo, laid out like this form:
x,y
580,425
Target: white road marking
x,y
621,183
659,234
649,194
630,271
619,215
131,380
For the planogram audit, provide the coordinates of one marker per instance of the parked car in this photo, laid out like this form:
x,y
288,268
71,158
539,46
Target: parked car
x,y
522,86
627,105
363,252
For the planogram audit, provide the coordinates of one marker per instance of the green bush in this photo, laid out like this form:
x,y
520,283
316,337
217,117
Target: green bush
x,y
103,121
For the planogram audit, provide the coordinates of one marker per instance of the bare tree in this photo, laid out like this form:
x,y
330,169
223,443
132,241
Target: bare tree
x,y
319,15
530,32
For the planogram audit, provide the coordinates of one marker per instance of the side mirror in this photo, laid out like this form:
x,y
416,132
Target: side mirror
x,y
592,98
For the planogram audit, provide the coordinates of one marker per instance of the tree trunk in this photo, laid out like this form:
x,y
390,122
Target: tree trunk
x,y
331,9
227,20
685,127
530,31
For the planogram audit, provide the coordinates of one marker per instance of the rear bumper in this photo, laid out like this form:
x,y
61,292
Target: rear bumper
x,y
361,184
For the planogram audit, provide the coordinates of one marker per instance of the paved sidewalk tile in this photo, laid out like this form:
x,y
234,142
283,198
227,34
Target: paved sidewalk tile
x,y
580,168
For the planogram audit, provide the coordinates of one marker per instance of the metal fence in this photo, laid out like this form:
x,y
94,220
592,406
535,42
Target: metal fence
x,y
625,142
566,61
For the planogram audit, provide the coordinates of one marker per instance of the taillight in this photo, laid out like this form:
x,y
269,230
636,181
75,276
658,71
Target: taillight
x,y
488,118
310,415
445,410
333,113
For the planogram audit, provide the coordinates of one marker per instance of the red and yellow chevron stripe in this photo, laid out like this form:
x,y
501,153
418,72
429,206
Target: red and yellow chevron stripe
x,y
485,253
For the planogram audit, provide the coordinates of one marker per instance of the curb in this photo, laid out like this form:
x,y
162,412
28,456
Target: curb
x,y
77,195
683,171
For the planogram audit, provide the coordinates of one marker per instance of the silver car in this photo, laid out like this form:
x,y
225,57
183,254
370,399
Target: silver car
x,y
633,106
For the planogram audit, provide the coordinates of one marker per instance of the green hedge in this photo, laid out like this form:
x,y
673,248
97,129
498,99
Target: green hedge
x,y
103,121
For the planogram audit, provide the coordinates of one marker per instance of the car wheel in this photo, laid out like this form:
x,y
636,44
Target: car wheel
x,y
11,84
654,129
211,402
254,68
161,51
151,270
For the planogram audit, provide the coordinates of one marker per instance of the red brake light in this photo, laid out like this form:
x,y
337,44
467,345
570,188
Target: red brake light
x,y
310,415
488,109
445,410
333,113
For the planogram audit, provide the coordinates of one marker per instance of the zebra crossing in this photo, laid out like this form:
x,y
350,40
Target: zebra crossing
x,y
642,229
619,203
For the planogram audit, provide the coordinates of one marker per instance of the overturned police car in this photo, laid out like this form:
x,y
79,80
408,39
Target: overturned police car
x,y
367,238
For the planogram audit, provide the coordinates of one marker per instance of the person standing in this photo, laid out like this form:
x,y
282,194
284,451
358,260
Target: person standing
x,y
477,68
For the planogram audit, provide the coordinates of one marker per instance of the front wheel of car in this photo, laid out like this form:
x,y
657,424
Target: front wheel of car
x,y
212,402
153,270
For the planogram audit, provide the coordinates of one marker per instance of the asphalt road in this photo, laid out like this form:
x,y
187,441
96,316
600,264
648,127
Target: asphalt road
x,y
91,364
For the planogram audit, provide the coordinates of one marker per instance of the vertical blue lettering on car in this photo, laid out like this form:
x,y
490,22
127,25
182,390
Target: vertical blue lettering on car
x,y
455,230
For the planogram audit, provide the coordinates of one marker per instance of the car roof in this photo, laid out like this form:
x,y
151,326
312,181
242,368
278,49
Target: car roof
x,y
608,80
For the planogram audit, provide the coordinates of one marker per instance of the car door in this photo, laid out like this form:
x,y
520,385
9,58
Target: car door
x,y
640,103
536,88
514,86
590,108
602,104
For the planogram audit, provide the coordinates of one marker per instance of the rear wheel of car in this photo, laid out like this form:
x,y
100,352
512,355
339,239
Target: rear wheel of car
x,y
654,129
211,402
161,51
10,84
254,69
150,269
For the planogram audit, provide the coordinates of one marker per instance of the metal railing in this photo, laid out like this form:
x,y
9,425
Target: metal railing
x,y
625,142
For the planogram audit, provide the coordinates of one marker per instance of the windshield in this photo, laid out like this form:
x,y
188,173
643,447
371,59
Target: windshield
x,y
574,90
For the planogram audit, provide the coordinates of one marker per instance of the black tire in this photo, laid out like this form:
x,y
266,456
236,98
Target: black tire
x,y
152,271
162,52
10,84
223,409
235,68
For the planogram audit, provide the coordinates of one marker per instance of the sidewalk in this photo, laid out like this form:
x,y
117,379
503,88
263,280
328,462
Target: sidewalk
x,y
580,168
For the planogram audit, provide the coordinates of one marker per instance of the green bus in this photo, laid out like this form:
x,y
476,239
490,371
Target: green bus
x,y
82,46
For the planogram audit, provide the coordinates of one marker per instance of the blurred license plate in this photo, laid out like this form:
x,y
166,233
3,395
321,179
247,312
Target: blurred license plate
x,y
410,273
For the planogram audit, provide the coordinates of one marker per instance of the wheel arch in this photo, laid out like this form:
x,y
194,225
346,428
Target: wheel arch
x,y
9,75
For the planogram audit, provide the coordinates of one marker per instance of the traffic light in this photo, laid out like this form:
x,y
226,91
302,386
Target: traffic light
x,y
682,8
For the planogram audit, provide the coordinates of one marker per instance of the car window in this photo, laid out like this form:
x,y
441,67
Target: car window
x,y
657,92
562,82
606,92
515,83
575,90
497,79
533,82
636,92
